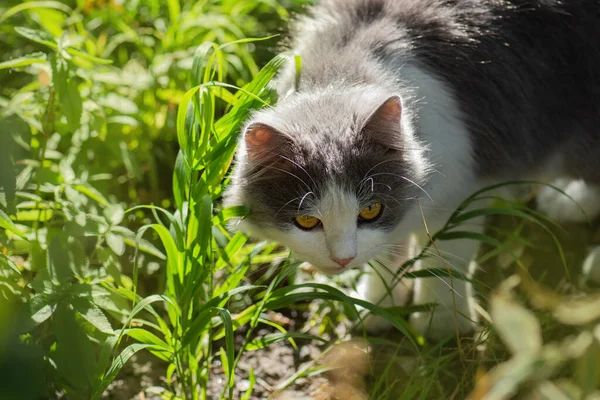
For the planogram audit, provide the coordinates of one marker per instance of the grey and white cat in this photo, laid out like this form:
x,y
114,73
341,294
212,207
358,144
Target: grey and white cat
x,y
403,109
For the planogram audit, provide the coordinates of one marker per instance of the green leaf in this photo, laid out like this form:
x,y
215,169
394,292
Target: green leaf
x,y
74,354
174,11
11,127
143,336
114,213
39,311
104,358
92,193
7,261
234,245
58,261
51,20
174,257
246,40
6,223
132,240
436,273
459,235
29,5
72,104
199,62
298,74
252,380
203,212
33,58
60,74
145,304
229,345
37,36
116,243
272,338
230,212
204,314
90,312
182,132
116,366
224,95
174,223
180,179
88,57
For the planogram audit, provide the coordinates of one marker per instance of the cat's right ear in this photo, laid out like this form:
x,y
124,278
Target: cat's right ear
x,y
263,142
384,125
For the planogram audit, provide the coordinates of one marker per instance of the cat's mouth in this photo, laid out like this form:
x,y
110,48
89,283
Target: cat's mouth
x,y
329,270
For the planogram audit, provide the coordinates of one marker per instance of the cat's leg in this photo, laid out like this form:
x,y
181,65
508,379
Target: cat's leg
x,y
562,208
453,296
591,265
378,285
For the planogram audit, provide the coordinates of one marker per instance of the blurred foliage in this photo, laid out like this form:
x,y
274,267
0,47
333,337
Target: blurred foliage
x,y
89,96
130,61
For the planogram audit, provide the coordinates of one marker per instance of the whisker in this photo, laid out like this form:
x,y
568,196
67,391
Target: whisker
x,y
383,184
375,166
399,246
406,179
391,272
302,200
446,283
282,207
372,184
301,167
391,197
289,173
436,256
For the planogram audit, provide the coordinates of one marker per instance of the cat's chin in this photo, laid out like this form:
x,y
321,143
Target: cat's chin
x,y
333,270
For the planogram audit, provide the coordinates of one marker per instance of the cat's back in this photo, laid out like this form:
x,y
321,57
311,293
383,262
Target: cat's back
x,y
525,72
338,34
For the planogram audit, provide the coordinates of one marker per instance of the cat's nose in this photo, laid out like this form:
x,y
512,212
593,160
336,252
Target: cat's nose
x,y
343,261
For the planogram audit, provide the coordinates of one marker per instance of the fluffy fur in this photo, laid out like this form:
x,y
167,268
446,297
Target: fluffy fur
x,y
489,90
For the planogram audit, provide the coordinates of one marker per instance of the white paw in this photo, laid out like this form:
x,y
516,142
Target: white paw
x,y
454,310
371,288
561,208
442,323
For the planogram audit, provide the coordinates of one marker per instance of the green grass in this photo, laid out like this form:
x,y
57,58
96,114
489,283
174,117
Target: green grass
x,y
118,123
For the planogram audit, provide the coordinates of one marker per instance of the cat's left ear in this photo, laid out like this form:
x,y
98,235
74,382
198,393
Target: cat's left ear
x,y
384,125
264,143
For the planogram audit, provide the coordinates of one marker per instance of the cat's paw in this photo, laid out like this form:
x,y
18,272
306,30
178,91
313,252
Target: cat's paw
x,y
440,324
562,208
454,311
371,288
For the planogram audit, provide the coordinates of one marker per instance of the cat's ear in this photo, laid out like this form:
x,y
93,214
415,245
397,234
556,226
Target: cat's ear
x,y
384,125
263,142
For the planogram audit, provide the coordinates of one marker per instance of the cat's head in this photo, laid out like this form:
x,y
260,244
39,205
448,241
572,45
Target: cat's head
x,y
328,174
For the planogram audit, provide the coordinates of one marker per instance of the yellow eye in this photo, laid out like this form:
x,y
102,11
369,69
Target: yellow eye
x,y
307,222
371,212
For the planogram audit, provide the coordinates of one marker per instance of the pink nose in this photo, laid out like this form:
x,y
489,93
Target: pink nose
x,y
343,261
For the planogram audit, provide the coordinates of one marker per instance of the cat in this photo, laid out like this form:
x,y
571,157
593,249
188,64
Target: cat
x,y
402,109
